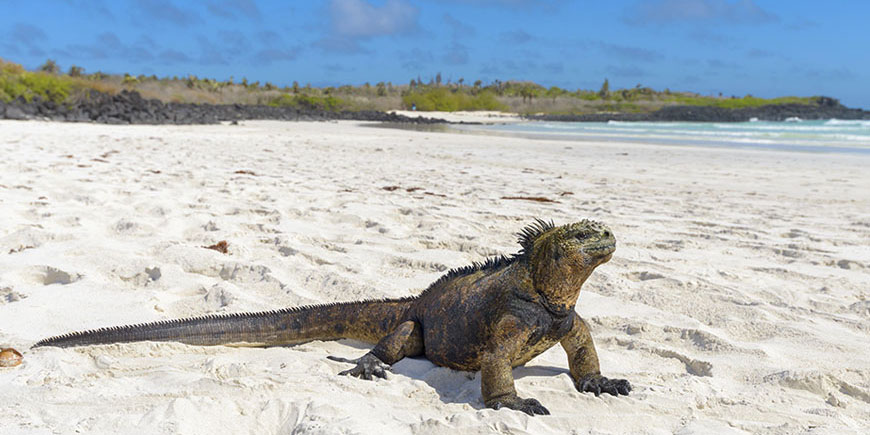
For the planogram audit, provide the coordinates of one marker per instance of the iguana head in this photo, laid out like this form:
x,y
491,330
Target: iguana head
x,y
561,258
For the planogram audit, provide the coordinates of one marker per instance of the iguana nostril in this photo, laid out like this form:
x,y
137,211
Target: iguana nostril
x,y
606,233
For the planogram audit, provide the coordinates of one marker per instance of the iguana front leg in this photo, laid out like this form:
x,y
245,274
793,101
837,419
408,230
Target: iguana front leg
x,y
405,340
496,375
583,363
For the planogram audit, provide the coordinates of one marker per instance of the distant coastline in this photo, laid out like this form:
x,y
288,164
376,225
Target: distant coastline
x,y
131,108
115,99
826,109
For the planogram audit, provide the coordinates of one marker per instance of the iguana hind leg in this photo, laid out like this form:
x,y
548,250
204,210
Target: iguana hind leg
x,y
405,340
583,363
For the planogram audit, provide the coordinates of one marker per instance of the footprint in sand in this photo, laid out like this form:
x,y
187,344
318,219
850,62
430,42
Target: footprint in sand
x,y
693,366
139,277
644,276
8,296
47,275
25,239
287,251
129,227
218,296
427,266
823,384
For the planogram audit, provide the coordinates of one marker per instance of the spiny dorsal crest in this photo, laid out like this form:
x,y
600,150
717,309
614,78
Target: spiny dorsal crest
x,y
529,234
527,237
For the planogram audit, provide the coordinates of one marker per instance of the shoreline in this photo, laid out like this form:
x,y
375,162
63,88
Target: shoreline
x,y
474,128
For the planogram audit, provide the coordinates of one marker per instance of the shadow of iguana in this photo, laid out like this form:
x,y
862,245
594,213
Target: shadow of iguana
x,y
489,316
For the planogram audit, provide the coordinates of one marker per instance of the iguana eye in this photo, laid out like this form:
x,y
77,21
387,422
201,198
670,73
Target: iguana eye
x,y
581,236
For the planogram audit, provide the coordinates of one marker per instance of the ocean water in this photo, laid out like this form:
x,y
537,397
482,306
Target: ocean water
x,y
793,135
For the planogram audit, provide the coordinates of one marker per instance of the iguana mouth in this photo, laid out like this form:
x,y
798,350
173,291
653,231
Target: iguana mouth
x,y
606,247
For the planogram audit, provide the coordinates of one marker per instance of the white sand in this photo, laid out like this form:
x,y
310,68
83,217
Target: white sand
x,y
484,117
738,299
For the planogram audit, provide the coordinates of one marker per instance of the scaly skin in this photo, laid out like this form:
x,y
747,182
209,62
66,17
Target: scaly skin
x,y
490,317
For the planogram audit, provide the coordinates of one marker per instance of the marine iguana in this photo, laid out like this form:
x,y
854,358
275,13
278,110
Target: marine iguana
x,y
490,316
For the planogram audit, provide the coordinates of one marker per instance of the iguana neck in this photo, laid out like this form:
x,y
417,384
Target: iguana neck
x,y
559,286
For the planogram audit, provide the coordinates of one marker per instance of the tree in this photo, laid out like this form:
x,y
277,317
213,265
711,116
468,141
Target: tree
x,y
554,92
295,87
528,91
50,66
381,89
438,79
604,93
76,71
499,89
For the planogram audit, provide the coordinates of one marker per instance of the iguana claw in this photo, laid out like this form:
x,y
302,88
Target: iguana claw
x,y
598,384
367,366
529,406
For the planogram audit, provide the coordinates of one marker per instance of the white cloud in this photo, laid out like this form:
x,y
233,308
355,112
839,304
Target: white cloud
x,y
359,18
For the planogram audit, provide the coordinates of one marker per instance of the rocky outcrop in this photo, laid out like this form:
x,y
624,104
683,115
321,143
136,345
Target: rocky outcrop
x,y
130,108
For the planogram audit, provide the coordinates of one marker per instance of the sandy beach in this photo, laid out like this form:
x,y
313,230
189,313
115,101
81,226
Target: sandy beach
x,y
738,299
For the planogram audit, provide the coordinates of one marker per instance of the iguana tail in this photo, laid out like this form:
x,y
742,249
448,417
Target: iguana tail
x,y
367,321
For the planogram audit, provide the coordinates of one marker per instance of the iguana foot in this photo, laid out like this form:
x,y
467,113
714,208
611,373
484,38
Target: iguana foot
x,y
529,406
599,384
367,366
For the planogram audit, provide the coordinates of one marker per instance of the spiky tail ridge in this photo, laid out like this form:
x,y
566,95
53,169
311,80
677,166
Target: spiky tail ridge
x,y
367,321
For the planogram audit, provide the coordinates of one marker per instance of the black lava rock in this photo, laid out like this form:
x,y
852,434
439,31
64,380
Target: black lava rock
x,y
128,107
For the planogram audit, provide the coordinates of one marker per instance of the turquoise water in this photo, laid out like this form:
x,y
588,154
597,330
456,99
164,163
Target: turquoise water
x,y
813,136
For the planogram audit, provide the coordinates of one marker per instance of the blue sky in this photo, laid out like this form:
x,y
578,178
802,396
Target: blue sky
x,y
737,47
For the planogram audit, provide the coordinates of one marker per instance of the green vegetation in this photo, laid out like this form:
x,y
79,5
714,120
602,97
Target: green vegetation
x,y
446,100
15,82
740,103
437,94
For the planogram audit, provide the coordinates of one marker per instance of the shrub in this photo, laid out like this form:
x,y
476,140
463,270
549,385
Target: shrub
x,y
16,82
443,100
75,71
129,80
50,67
739,103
